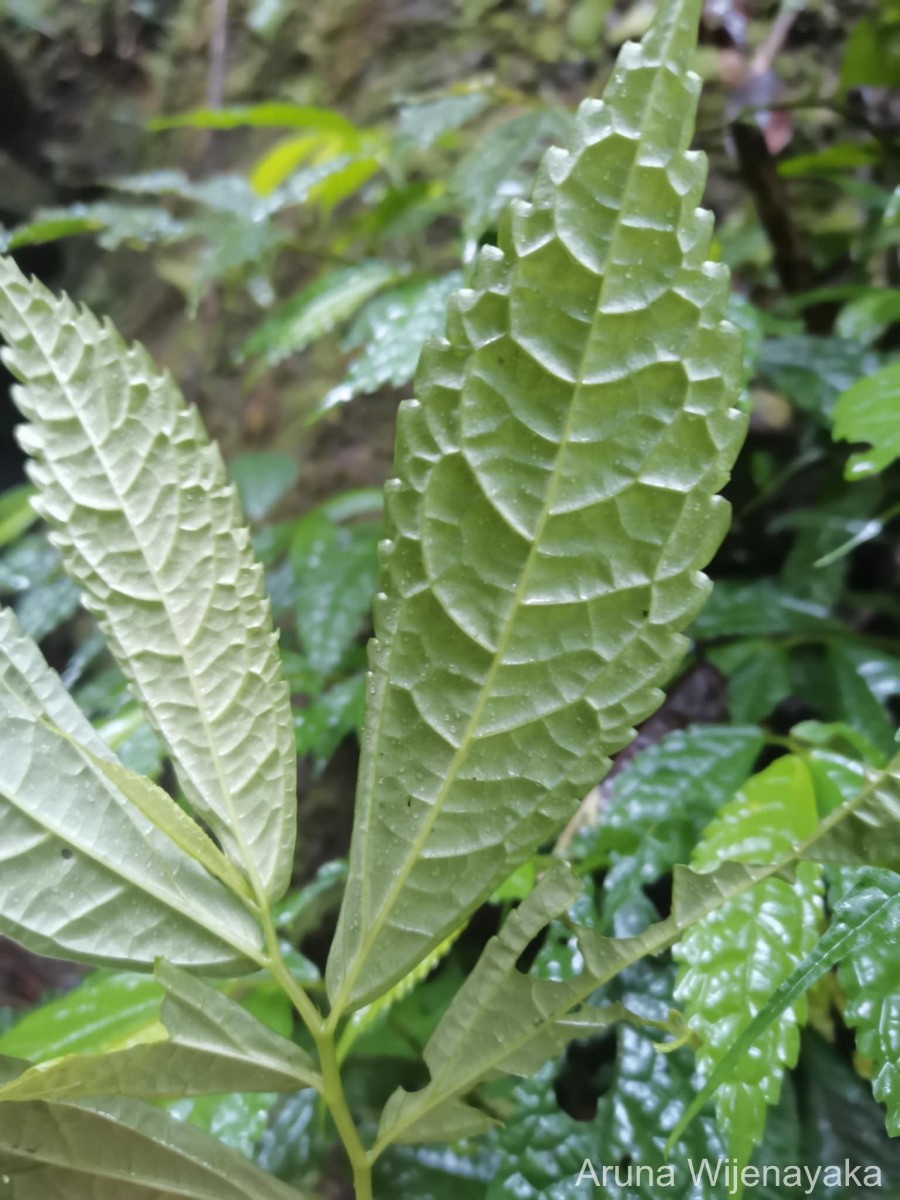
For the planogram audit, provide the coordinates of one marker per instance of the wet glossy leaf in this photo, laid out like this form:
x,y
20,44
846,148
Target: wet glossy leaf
x,y
105,1012
733,961
870,976
335,571
118,1149
501,165
318,309
660,803
867,412
180,601
460,1172
542,1149
499,642
213,1046
864,928
392,331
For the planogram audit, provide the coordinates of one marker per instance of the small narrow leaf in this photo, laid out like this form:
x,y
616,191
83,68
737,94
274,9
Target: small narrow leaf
x,y
733,960
496,1022
118,1149
583,401
147,524
213,1046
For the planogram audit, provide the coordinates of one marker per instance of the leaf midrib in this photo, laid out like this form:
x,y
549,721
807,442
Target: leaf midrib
x,y
211,742
459,757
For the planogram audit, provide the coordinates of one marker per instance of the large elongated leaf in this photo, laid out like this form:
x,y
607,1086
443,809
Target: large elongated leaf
x,y
734,959
555,502
118,1149
213,1046
149,527
64,820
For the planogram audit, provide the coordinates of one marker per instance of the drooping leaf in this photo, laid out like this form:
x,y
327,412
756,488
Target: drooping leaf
x,y
868,412
861,683
509,663
213,1046
118,1149
733,961
870,976
148,526
317,309
392,330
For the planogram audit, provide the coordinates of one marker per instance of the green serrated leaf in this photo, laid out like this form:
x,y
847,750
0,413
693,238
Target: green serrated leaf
x,y
517,1021
139,896
870,976
336,573
150,529
509,663
867,412
733,961
497,168
864,928
118,1149
392,330
213,1046
317,309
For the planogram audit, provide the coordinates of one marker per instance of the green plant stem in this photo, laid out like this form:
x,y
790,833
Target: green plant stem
x,y
332,1089
336,1100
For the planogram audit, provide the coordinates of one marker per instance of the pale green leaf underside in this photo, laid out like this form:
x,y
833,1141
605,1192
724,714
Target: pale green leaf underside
x,y
555,501
149,527
118,1149
83,875
733,960
214,1046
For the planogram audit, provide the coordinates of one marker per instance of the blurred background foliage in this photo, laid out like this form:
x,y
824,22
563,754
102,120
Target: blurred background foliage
x,y
278,197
